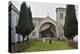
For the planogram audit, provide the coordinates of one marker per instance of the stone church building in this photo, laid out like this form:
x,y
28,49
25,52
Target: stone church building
x,y
44,27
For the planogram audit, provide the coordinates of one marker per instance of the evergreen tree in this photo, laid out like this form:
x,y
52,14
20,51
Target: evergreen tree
x,y
25,25
71,23
30,23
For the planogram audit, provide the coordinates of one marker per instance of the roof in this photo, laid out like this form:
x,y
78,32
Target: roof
x,y
38,17
12,6
60,8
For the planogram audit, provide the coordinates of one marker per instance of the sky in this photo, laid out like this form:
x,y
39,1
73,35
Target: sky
x,y
41,9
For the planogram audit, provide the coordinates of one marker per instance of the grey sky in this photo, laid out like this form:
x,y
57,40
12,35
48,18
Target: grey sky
x,y
41,9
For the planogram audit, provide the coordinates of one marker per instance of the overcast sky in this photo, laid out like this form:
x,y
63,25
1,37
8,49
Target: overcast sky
x,y
41,9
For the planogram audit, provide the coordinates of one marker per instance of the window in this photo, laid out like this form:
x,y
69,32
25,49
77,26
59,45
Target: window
x,y
61,15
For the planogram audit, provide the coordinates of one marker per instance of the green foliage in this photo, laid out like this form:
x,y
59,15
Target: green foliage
x,y
25,24
71,24
45,46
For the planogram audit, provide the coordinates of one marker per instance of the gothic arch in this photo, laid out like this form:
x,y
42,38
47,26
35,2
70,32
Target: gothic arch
x,y
47,30
51,21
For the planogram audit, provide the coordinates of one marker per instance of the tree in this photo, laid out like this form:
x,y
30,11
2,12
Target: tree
x,y
71,23
25,25
30,23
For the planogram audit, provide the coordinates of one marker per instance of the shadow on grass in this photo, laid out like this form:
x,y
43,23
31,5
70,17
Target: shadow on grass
x,y
19,47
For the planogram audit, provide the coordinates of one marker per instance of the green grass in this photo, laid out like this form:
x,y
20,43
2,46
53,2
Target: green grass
x,y
45,46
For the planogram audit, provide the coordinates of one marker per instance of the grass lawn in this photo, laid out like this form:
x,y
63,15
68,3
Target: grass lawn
x,y
45,46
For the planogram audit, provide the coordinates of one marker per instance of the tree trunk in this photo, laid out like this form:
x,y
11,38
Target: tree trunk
x,y
23,43
27,38
18,38
70,41
23,39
